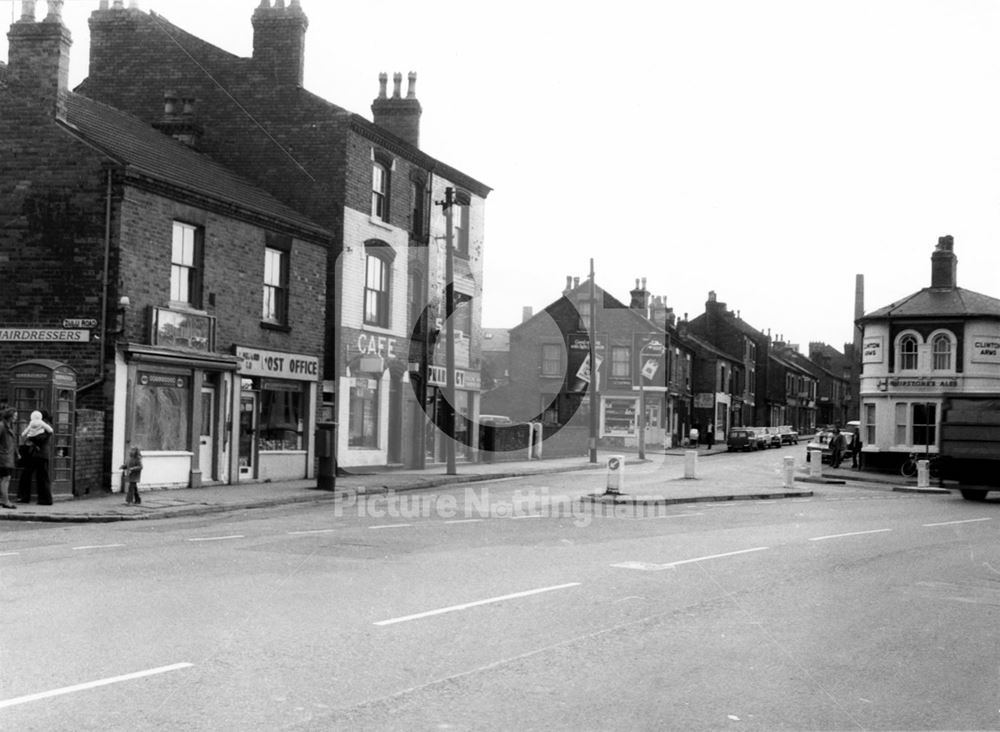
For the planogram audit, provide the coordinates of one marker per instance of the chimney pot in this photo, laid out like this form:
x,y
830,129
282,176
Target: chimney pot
x,y
576,282
411,87
28,11
397,83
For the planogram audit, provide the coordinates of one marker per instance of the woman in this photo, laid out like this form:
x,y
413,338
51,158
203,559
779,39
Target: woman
x,y
35,454
8,447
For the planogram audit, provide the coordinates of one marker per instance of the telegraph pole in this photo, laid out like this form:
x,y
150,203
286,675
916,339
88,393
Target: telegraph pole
x,y
449,345
594,403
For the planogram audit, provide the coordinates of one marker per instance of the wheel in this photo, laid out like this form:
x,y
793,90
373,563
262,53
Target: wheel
x,y
973,495
908,469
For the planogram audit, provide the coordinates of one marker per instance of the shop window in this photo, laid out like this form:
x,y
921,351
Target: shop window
x,y
942,349
552,359
275,306
621,361
281,417
162,412
376,289
185,265
908,353
363,413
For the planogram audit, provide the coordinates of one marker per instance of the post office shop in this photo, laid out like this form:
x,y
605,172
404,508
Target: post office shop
x,y
275,414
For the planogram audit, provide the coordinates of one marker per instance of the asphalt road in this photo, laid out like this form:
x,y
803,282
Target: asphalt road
x,y
501,607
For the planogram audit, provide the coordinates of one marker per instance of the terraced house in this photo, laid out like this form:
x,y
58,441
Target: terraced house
x,y
366,181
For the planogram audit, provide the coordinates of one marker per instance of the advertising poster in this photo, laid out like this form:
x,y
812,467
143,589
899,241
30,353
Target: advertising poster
x,y
650,362
578,370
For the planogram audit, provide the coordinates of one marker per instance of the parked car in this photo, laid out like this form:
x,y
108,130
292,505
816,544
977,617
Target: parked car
x,y
821,441
760,437
740,438
788,435
772,436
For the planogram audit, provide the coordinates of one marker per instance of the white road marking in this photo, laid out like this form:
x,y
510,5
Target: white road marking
x,y
534,515
651,567
464,521
390,526
91,685
964,521
218,538
310,531
9,554
465,606
852,533
97,546
669,515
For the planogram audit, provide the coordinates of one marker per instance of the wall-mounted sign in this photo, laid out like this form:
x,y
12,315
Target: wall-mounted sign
x,y
257,362
80,323
923,382
872,350
985,349
51,335
182,330
169,381
704,400
376,345
436,376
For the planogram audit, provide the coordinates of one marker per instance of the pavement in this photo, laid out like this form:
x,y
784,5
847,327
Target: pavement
x,y
659,479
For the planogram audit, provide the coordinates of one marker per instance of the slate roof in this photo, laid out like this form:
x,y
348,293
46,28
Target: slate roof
x,y
150,153
939,302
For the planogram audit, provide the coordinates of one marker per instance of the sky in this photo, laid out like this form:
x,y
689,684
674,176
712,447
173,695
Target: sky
x,y
769,151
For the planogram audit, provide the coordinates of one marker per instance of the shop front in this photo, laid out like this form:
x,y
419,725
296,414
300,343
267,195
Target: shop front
x,y
275,414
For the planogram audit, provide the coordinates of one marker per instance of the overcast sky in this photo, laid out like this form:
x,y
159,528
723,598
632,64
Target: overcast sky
x,y
766,150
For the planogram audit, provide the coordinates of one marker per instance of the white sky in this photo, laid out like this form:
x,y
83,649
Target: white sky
x,y
768,150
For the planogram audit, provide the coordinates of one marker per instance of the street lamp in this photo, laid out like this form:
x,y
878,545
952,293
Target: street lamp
x,y
451,198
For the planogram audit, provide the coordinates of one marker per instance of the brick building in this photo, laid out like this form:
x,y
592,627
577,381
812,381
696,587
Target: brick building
x,y
175,305
366,181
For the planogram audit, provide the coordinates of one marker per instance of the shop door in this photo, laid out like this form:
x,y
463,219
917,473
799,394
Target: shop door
x,y
206,446
248,431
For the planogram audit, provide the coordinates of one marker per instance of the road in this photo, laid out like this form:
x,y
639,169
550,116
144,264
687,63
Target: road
x,y
500,607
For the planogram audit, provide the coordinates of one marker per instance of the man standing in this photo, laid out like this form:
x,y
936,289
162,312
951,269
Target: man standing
x,y
837,444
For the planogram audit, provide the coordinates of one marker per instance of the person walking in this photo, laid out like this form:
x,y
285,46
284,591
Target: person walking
x,y
855,448
35,461
693,436
8,449
132,474
836,448
710,435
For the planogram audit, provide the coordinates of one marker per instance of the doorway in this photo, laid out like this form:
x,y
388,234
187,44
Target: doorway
x,y
248,431
206,441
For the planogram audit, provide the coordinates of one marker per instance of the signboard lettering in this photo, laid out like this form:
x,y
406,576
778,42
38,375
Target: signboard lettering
x,y
276,364
373,345
871,350
44,334
985,349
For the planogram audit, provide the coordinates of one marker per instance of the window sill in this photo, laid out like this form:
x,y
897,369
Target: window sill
x,y
282,328
380,223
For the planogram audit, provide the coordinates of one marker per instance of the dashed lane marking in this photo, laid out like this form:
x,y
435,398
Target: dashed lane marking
x,y
467,605
850,533
389,526
218,538
97,546
963,521
310,531
651,567
92,685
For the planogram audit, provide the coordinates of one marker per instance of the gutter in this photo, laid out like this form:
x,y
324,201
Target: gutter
x,y
102,337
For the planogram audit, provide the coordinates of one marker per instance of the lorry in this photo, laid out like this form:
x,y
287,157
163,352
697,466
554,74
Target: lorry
x,y
970,444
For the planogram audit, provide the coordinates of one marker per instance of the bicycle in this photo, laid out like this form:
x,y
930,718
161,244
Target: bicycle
x,y
909,467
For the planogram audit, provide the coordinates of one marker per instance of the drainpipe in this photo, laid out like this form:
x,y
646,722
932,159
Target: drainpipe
x,y
104,290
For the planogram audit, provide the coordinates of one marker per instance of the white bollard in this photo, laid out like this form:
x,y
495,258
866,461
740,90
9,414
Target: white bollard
x,y
690,463
616,475
789,471
815,463
923,473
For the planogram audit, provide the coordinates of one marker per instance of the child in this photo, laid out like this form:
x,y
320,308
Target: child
x,y
36,426
132,472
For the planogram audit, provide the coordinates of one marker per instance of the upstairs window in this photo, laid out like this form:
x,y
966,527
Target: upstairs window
x,y
621,361
942,349
418,210
552,359
908,353
376,290
275,304
461,224
380,191
185,265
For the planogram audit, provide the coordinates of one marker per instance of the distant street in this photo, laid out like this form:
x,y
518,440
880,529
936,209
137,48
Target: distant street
x,y
497,606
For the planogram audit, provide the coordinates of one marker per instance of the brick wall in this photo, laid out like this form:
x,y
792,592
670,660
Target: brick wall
x,y
90,477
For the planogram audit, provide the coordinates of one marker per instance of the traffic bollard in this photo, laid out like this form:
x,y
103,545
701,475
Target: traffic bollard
x,y
923,473
789,471
690,463
616,475
815,463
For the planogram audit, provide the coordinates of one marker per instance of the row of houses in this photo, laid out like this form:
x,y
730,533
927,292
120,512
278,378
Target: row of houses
x,y
205,260
657,375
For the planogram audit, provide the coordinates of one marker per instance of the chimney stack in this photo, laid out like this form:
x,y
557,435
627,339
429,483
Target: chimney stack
x,y
944,264
569,285
640,297
38,56
279,41
397,114
178,119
